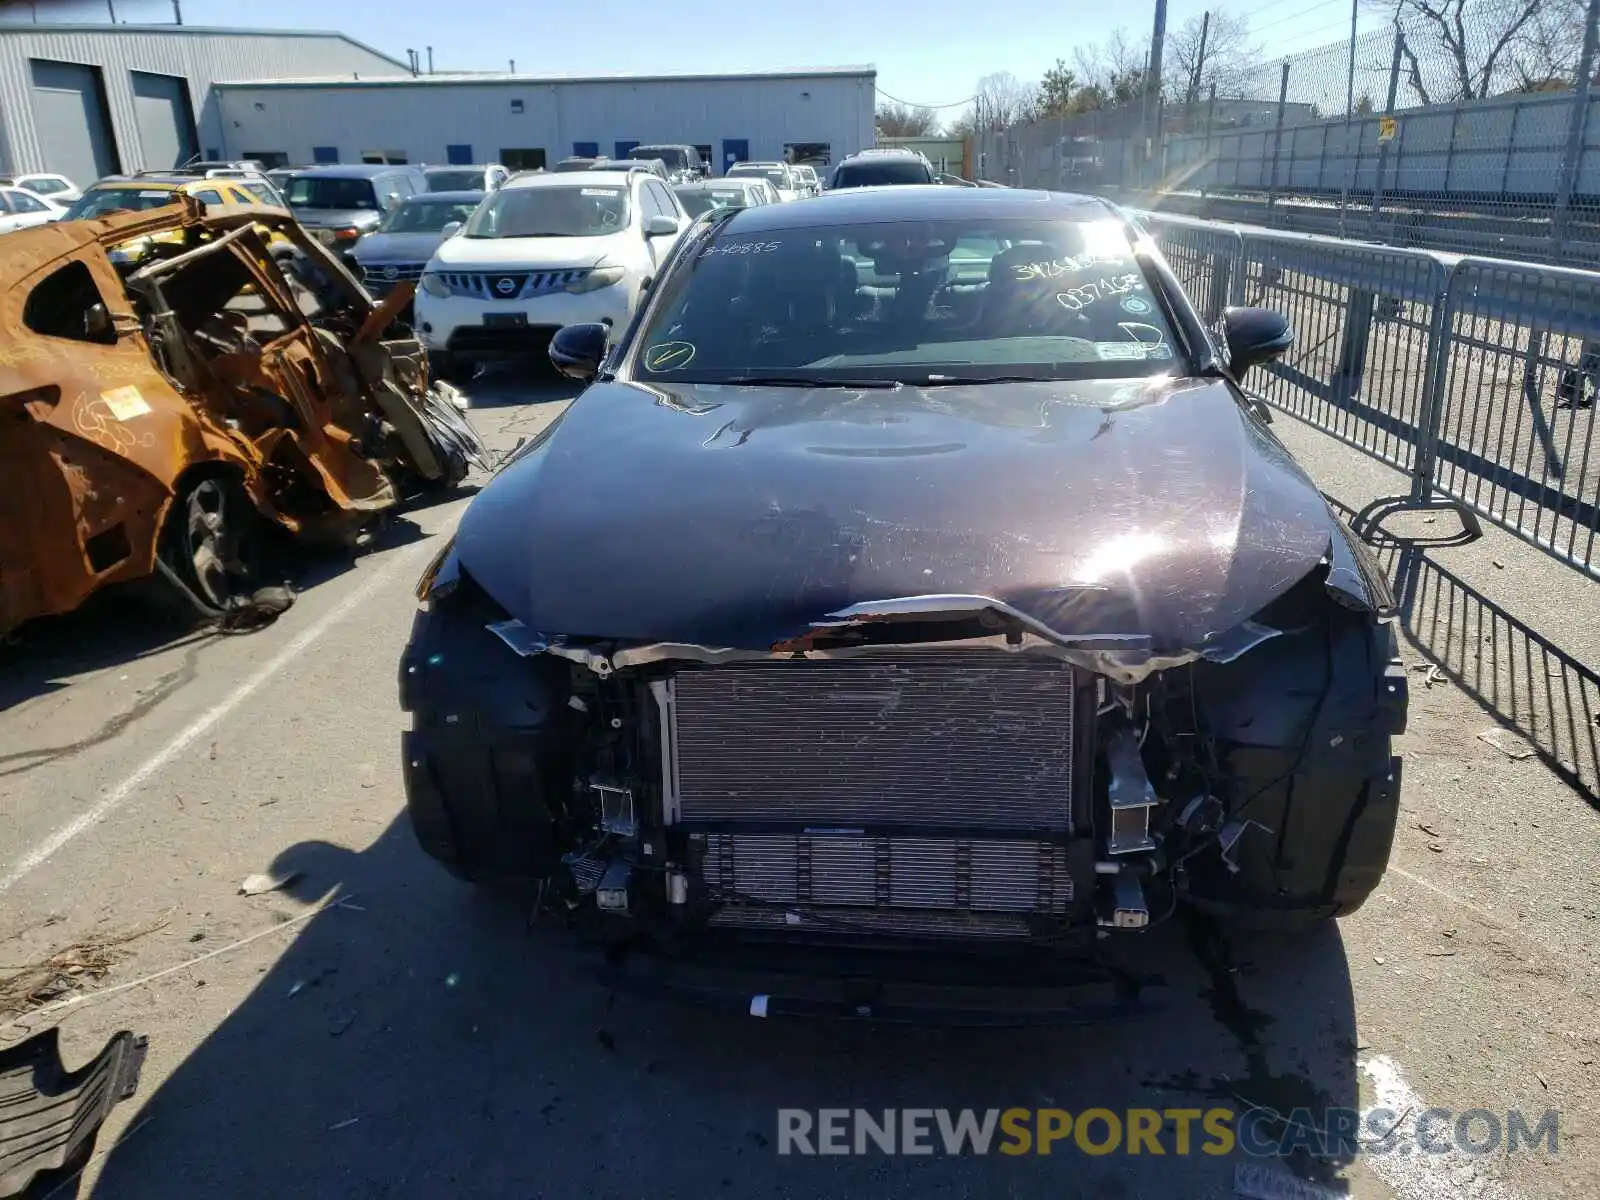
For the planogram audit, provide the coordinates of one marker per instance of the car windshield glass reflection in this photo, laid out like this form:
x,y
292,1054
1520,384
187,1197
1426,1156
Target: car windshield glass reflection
x,y
465,180
428,216
776,176
591,210
310,191
879,174
674,157
696,200
109,200
915,302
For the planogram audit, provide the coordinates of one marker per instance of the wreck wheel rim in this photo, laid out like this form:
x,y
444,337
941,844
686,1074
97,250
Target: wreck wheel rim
x,y
211,543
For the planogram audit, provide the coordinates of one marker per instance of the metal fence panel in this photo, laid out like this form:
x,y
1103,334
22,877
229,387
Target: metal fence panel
x,y
1363,319
1516,438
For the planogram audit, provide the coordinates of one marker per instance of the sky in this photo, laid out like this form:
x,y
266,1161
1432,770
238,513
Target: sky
x,y
927,52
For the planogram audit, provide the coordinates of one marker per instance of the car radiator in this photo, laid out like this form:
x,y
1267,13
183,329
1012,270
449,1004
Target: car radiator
x,y
917,793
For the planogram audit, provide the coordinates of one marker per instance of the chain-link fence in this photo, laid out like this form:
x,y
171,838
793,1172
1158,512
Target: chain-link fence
x,y
1481,136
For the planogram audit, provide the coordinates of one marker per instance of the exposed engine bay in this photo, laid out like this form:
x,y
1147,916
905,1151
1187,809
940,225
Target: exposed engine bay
x,y
924,792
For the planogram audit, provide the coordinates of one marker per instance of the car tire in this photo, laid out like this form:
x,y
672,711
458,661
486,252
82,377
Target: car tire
x,y
216,557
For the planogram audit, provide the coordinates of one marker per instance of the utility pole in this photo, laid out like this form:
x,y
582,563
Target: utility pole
x,y
1199,62
1158,40
1350,87
111,8
430,60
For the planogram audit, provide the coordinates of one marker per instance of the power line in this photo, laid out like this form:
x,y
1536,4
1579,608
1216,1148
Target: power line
x,y
909,104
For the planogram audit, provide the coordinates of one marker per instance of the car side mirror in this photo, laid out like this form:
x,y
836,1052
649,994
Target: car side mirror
x,y
451,228
660,225
576,350
1255,336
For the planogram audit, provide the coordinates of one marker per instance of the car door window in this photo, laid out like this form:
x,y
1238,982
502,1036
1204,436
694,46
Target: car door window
x,y
649,203
24,203
207,196
5,203
664,201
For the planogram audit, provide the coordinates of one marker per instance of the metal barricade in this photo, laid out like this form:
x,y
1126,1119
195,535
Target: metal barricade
x,y
1204,257
1513,435
1479,377
1365,319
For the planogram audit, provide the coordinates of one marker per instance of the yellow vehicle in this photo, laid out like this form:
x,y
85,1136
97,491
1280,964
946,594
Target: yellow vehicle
x,y
221,195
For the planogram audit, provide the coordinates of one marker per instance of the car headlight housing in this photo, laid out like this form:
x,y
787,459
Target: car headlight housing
x,y
433,283
600,277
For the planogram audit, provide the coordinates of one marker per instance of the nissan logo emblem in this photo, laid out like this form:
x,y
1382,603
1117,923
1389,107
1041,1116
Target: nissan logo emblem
x,y
505,286
391,273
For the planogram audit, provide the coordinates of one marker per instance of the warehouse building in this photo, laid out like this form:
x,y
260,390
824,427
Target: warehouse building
x,y
815,115
93,100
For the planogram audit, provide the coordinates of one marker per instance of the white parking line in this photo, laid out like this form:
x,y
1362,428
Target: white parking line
x,y
196,729
1453,1174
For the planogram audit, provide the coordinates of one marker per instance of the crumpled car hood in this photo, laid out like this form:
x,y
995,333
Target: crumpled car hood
x,y
739,516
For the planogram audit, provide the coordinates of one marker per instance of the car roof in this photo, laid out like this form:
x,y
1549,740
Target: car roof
x,y
928,201
700,185
167,182
758,163
459,196
458,167
574,178
354,170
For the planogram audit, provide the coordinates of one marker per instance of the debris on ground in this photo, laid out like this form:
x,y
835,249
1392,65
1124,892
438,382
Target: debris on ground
x,y
260,885
1508,743
65,972
49,1116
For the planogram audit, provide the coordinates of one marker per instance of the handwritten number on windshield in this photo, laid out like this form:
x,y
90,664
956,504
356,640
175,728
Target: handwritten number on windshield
x,y
1078,298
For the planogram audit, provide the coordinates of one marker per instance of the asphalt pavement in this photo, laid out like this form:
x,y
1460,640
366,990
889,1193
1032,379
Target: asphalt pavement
x,y
377,1029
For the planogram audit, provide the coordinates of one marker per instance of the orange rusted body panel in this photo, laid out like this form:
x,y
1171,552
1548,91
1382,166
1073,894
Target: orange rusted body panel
x,y
96,437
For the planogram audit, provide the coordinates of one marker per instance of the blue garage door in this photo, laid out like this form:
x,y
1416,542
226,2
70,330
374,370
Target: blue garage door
x,y
458,154
325,154
586,149
625,146
734,150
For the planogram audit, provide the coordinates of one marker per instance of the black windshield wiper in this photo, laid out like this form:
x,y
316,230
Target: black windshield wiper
x,y
812,381
957,380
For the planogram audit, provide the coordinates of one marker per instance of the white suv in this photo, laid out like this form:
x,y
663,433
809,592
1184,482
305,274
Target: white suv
x,y
545,250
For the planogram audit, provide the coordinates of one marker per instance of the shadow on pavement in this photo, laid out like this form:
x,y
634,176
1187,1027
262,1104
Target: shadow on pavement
x,y
1507,667
427,1042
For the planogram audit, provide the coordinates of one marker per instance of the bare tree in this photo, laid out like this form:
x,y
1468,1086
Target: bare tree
x,y
1111,72
905,120
1103,64
1547,52
1001,101
1201,55
1478,41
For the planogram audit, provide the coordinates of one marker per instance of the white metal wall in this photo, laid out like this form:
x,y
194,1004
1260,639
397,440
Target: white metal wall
x,y
422,117
199,55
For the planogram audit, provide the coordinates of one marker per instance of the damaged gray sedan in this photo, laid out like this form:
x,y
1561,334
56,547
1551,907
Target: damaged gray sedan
x,y
912,606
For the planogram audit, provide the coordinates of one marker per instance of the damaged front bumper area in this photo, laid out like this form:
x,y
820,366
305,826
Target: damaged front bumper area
x,y
924,809
49,1116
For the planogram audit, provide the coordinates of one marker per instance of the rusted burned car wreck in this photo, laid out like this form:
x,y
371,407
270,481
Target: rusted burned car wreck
x,y
178,390
911,610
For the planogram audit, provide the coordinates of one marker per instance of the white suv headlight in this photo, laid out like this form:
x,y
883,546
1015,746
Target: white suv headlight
x,y
433,283
600,277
